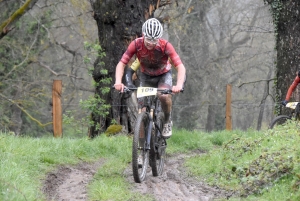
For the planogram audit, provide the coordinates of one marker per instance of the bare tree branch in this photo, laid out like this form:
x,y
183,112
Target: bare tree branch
x,y
28,52
21,108
267,80
186,11
58,74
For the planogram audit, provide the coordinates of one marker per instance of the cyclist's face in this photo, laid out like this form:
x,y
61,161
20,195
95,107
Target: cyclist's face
x,y
150,43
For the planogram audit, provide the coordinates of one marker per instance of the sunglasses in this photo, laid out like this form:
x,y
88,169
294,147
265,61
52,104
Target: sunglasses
x,y
151,41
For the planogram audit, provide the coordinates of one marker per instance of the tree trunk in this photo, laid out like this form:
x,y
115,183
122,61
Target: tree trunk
x,y
119,22
288,47
16,121
211,116
263,102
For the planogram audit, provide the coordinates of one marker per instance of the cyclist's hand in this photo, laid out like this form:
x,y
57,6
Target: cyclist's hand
x,y
119,87
176,89
284,102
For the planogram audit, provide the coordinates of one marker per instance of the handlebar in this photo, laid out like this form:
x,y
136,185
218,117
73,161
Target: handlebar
x,y
162,91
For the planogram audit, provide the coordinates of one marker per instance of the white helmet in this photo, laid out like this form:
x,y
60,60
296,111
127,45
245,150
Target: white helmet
x,y
152,28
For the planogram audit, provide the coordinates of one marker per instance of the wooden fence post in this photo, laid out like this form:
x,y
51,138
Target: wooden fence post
x,y
228,108
56,109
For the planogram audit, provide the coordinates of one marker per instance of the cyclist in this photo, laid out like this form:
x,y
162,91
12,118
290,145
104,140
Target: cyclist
x,y
153,53
291,89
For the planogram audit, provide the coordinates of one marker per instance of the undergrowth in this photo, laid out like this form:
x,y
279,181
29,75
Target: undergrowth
x,y
263,165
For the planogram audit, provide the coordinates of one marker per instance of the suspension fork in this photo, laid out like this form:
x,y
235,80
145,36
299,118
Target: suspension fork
x,y
150,126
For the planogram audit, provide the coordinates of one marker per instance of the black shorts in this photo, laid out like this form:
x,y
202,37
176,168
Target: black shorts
x,y
160,81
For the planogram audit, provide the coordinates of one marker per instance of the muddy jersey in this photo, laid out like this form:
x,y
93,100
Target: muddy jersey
x,y
292,88
153,62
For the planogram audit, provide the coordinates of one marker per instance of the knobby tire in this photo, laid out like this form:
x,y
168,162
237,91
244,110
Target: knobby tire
x,y
158,147
279,120
138,148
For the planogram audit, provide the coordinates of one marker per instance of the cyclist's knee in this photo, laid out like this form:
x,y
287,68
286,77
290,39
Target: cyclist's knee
x,y
165,98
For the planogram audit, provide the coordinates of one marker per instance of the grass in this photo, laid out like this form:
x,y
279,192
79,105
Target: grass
x,y
255,165
25,161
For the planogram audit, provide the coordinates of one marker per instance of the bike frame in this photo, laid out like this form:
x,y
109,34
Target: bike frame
x,y
152,107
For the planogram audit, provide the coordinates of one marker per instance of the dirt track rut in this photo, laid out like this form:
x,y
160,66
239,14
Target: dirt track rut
x,y
69,183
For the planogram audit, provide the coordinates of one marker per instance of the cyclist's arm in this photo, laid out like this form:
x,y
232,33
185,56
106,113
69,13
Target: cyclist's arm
x,y
178,65
122,64
172,54
181,71
130,72
119,74
292,88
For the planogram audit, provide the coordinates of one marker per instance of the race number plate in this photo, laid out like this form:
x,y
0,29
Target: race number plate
x,y
146,91
292,105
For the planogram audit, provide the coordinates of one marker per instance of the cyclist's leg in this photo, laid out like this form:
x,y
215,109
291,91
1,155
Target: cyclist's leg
x,y
166,99
143,83
166,102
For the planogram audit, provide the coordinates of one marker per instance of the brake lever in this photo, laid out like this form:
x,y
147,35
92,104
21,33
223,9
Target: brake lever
x,y
126,89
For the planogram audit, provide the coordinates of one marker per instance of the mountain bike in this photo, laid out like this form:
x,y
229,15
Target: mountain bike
x,y
294,115
148,146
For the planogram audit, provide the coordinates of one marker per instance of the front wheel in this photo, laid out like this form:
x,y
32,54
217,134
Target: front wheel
x,y
140,155
158,147
281,119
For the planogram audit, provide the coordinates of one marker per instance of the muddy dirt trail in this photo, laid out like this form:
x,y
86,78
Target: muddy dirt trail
x,y
68,183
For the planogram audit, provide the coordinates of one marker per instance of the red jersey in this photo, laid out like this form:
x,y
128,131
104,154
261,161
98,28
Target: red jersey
x,y
292,88
153,62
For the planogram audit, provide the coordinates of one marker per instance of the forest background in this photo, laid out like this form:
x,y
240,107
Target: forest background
x,y
249,44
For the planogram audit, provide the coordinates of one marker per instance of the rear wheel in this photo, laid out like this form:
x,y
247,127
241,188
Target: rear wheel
x,y
158,147
281,119
139,149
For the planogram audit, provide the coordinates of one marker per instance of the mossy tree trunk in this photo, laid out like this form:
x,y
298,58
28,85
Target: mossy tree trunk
x,y
14,14
119,22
